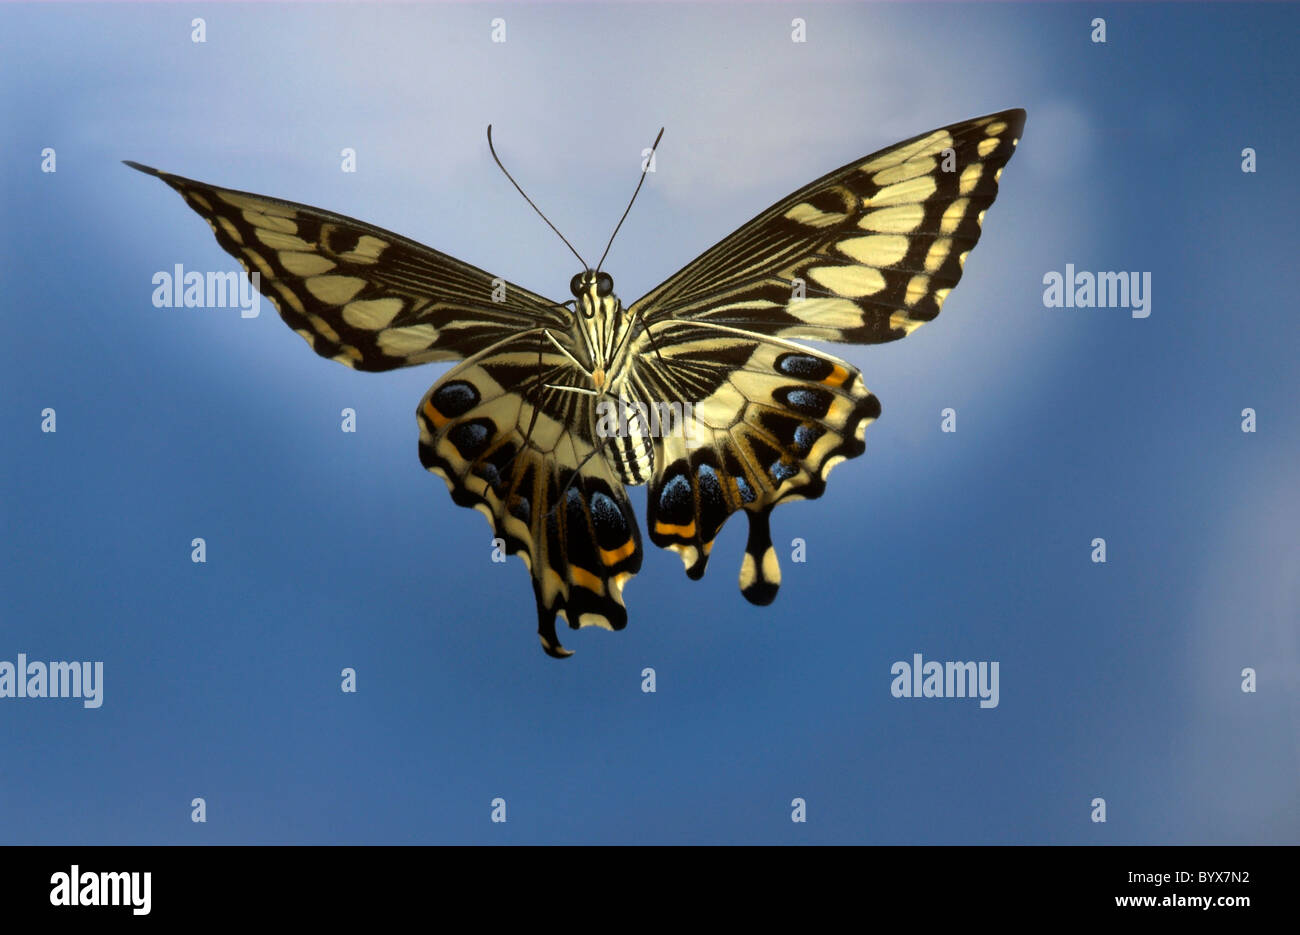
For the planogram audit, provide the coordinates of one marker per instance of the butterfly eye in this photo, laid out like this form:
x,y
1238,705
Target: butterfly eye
x,y
575,285
604,284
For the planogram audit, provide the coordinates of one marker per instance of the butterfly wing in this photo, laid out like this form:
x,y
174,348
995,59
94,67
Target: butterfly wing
x,y
526,457
874,247
862,255
363,296
770,420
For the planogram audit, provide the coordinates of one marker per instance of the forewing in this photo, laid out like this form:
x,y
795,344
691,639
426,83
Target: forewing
x,y
770,420
524,456
874,247
363,296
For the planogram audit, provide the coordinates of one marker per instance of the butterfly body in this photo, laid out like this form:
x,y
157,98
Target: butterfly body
x,y
519,428
599,348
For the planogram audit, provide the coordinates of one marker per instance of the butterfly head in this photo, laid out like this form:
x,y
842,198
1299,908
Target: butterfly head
x,y
594,292
592,284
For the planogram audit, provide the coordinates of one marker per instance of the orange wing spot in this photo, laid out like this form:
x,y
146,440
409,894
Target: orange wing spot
x,y
433,415
837,377
585,578
667,529
708,547
614,556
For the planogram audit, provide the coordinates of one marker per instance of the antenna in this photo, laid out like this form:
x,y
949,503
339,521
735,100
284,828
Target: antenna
x,y
646,168
530,201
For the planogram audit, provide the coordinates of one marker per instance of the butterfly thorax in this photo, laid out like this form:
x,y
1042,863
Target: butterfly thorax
x,y
599,330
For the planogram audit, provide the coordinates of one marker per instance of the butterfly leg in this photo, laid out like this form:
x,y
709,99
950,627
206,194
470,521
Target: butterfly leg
x,y
563,350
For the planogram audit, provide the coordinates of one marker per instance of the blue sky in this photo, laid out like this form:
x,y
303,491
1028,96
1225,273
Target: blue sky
x,y
328,550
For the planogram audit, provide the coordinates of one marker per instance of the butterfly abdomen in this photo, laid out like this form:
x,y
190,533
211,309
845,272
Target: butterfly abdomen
x,y
625,428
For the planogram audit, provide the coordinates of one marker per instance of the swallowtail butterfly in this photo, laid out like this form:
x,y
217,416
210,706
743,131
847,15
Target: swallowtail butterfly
x,y
863,255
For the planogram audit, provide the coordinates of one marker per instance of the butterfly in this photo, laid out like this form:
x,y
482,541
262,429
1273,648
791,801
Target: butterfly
x,y
697,390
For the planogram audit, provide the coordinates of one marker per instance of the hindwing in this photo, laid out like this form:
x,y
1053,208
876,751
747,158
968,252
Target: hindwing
x,y
770,420
525,456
